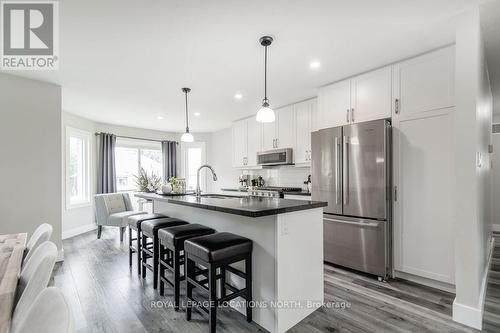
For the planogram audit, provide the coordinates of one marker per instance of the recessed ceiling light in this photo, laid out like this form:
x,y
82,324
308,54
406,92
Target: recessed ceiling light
x,y
197,114
315,64
238,96
159,117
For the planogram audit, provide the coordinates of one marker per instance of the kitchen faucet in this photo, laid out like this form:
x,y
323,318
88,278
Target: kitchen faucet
x,y
198,189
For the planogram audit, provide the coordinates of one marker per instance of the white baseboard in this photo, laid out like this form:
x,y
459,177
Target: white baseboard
x,y
78,231
425,281
495,227
473,316
60,255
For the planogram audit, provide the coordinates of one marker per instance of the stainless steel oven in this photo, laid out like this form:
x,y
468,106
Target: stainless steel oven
x,y
275,157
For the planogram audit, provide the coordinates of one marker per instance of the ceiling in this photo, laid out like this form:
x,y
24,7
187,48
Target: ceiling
x,y
125,62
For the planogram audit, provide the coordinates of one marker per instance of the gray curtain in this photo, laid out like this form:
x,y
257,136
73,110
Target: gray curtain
x,y
106,169
169,153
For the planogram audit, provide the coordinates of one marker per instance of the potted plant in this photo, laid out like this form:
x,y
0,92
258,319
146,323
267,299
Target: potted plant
x,y
147,183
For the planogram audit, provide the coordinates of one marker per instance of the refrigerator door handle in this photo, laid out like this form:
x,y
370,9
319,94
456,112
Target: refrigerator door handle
x,y
346,170
337,171
361,224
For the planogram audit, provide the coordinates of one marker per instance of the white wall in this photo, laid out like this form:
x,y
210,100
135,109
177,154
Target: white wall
x,y
30,149
82,219
472,134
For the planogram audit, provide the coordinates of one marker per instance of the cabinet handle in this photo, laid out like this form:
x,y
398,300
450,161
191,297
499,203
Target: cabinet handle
x,y
347,115
352,115
395,193
274,143
396,106
277,144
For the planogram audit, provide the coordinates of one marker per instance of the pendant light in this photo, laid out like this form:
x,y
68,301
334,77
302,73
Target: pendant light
x,y
187,137
265,113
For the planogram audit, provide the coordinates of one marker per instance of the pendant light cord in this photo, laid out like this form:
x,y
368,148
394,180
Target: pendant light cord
x,y
265,73
187,119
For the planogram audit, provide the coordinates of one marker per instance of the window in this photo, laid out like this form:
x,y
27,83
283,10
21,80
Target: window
x,y
193,156
131,156
77,168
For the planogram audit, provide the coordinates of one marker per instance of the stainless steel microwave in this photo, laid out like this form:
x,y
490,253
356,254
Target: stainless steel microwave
x,y
275,157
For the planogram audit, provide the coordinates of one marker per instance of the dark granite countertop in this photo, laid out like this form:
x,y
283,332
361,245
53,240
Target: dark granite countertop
x,y
245,206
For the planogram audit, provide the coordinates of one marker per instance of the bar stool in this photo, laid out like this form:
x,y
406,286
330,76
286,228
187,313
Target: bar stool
x,y
150,230
134,223
171,256
218,250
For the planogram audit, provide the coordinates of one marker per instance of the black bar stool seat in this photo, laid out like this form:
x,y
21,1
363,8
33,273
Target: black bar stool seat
x,y
134,223
149,229
217,252
171,253
218,247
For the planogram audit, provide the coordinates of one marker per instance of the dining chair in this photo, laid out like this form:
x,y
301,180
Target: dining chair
x,y
41,234
49,312
34,277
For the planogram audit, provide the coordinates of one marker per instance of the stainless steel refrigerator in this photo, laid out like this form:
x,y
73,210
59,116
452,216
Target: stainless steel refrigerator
x,y
351,170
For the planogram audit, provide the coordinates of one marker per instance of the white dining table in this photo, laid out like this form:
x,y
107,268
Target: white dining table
x,y
11,258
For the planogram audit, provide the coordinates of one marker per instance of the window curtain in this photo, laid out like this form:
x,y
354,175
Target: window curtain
x,y
169,154
106,168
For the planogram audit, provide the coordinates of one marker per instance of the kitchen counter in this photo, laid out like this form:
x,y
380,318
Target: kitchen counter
x,y
244,206
287,256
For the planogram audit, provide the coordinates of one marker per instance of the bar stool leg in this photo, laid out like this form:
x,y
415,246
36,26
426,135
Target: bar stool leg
x,y
144,257
188,271
222,282
139,252
162,268
248,286
130,248
156,249
212,300
177,283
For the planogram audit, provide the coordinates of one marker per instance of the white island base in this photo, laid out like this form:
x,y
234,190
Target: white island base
x,y
287,264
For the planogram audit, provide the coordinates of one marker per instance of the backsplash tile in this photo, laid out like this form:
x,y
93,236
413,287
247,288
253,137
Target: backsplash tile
x,y
289,176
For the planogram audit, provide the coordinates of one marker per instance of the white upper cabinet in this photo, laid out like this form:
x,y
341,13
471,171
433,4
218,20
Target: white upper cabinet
x,y
334,105
254,141
285,122
371,95
269,136
240,141
303,128
425,83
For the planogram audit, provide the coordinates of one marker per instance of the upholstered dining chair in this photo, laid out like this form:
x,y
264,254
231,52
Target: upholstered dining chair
x,y
34,277
113,209
40,235
49,312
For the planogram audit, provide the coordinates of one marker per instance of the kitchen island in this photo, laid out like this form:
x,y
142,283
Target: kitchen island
x,y
287,258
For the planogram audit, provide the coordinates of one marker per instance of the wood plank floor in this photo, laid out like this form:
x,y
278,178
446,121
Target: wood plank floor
x,y
491,318
106,297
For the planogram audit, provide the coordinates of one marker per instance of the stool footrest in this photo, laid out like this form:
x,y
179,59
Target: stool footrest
x,y
236,271
240,292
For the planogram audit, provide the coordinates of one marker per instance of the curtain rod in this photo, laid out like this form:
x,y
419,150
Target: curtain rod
x,y
134,138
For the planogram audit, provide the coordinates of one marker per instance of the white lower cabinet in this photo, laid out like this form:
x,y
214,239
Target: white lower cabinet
x,y
423,228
